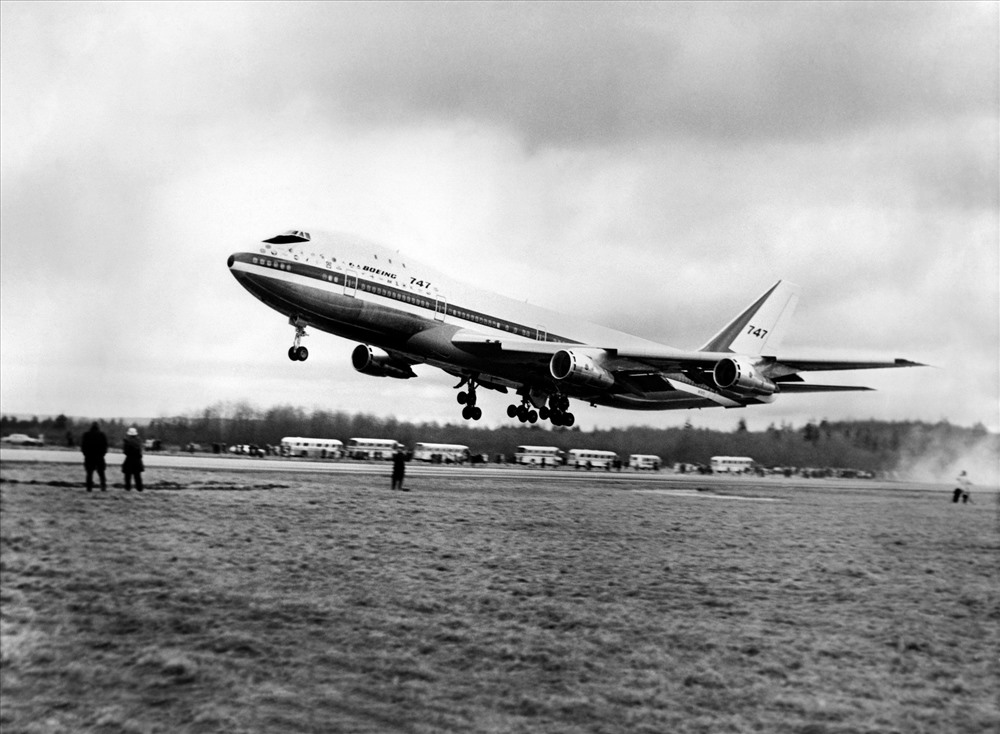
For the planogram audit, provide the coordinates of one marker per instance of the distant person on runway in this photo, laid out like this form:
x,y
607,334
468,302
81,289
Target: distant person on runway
x,y
94,446
398,470
964,483
132,466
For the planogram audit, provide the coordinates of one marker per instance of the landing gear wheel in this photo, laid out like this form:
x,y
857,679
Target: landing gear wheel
x,y
543,413
532,416
512,411
468,399
296,352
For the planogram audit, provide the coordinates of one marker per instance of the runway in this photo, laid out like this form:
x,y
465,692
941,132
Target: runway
x,y
290,465
663,482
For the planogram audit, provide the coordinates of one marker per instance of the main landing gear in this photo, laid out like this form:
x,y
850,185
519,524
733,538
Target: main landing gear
x,y
470,412
297,352
557,411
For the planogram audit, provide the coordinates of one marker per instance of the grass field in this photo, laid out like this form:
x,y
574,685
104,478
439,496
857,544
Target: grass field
x,y
229,601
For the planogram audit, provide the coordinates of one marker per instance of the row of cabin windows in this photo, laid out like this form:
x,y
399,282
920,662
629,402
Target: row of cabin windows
x,y
272,263
398,295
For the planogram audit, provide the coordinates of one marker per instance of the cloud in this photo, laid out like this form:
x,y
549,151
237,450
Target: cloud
x,y
589,75
652,167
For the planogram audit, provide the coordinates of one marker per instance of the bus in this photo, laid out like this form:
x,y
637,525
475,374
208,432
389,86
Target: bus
x,y
731,464
644,461
538,456
312,448
591,459
441,453
372,448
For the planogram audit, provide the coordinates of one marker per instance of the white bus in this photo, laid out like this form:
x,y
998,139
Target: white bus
x,y
731,464
372,448
644,461
443,453
591,459
538,456
313,448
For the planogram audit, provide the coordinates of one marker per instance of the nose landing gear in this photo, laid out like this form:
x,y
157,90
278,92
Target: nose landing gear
x,y
297,352
468,399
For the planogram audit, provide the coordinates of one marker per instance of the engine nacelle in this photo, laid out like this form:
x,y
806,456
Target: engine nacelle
x,y
373,361
580,368
739,375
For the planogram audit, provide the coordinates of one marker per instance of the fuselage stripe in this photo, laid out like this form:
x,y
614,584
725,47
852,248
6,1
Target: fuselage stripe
x,y
436,305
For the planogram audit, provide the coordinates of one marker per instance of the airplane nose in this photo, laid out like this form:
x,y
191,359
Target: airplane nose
x,y
231,260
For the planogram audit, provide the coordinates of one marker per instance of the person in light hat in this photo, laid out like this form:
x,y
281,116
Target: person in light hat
x,y
132,466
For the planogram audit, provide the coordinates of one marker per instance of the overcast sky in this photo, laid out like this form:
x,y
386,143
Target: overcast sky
x,y
651,167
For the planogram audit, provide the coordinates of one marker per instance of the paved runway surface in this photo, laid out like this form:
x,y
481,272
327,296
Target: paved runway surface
x,y
665,481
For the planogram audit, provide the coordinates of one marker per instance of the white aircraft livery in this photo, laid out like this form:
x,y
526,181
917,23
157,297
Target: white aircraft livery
x,y
405,313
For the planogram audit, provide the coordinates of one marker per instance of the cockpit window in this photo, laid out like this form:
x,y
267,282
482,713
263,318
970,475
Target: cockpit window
x,y
287,238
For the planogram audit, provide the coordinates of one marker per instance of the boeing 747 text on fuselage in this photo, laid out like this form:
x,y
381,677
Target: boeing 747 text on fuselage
x,y
404,313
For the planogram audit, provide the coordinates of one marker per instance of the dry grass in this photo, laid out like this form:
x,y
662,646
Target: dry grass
x,y
312,603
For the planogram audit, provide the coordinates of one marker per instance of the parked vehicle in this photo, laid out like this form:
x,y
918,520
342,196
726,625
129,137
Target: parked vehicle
x,y
538,456
372,448
591,459
641,462
441,453
317,448
23,439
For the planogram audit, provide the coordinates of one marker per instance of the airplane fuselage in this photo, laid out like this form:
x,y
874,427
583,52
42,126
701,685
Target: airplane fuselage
x,y
364,292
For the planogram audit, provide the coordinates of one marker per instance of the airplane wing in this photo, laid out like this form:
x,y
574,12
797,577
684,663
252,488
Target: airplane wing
x,y
666,359
638,369
624,359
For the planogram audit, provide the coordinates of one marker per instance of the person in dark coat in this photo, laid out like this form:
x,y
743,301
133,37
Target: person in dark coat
x,y
94,446
398,470
132,466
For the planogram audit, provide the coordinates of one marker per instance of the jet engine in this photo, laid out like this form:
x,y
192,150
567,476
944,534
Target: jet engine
x,y
373,361
739,375
580,368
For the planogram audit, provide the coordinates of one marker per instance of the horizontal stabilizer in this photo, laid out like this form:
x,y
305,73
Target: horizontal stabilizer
x,y
804,387
829,365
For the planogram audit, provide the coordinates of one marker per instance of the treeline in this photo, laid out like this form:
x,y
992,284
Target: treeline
x,y
864,445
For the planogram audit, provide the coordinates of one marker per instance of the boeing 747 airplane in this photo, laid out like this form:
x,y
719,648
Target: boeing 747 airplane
x,y
404,313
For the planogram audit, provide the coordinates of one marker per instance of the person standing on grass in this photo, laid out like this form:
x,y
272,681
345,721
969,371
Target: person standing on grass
x,y
132,466
94,446
398,470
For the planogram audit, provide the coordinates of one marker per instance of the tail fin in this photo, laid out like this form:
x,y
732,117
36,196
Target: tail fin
x,y
759,327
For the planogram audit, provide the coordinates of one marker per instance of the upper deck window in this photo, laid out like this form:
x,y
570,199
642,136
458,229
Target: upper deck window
x,y
287,238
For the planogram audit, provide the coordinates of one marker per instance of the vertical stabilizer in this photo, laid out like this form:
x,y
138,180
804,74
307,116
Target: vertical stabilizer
x,y
760,327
